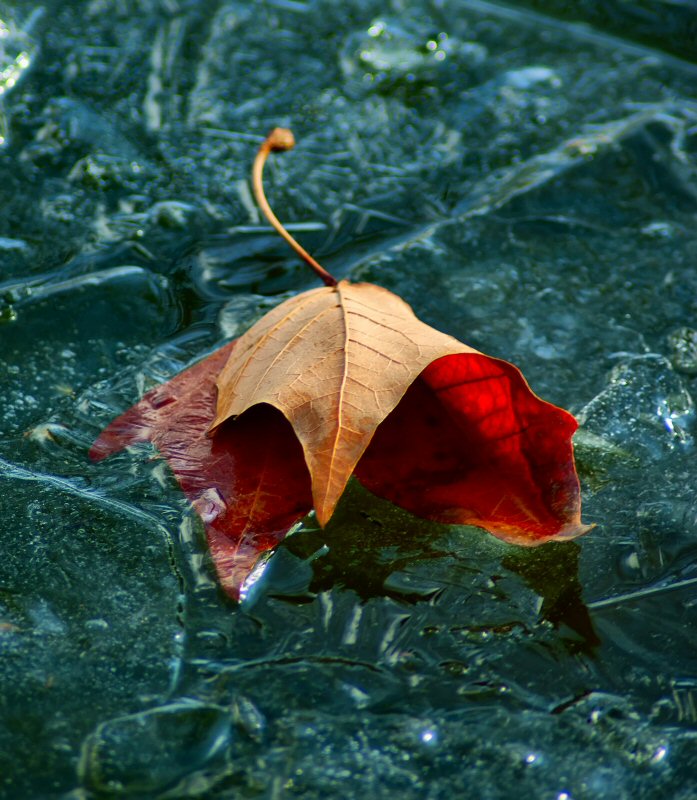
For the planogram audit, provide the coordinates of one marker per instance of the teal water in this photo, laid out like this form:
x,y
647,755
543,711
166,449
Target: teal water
x,y
525,175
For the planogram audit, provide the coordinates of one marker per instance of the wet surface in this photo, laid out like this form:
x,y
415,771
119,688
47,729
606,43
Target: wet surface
x,y
527,180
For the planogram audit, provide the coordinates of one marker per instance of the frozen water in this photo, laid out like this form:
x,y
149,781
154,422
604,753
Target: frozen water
x,y
155,750
683,342
88,622
645,403
529,184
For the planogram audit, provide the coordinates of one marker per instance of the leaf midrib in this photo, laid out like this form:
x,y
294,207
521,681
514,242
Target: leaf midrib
x,y
344,378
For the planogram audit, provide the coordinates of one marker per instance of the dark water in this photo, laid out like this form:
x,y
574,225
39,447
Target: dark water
x,y
526,177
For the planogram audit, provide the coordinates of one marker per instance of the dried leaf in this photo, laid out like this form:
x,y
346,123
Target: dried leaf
x,y
346,380
335,361
470,444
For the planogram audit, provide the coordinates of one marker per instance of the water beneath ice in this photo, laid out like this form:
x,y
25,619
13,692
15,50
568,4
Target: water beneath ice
x,y
529,184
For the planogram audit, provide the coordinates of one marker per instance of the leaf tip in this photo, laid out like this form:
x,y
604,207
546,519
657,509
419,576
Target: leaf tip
x,y
98,451
115,437
572,530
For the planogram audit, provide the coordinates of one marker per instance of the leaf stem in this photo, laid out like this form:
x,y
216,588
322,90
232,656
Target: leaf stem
x,y
278,140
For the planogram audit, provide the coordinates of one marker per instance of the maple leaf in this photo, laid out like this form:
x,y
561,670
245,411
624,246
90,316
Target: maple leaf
x,y
345,380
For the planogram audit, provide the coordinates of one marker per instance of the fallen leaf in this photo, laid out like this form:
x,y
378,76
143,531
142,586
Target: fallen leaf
x,y
346,380
248,484
469,443
335,362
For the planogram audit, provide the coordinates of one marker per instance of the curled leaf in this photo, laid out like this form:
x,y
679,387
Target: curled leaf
x,y
335,362
346,380
464,440
470,444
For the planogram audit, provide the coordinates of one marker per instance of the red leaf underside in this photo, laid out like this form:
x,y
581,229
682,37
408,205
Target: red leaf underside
x,y
249,483
471,444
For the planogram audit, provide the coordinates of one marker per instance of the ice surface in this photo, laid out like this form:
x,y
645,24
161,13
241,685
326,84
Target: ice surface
x,y
529,184
88,623
645,403
156,750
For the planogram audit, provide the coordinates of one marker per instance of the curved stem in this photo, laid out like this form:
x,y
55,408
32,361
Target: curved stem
x,y
278,140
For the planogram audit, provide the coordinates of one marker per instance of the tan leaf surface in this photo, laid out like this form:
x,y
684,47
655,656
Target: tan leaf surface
x,y
335,361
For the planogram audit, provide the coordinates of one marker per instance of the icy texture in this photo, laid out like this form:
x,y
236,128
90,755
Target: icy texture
x,y
529,184
147,752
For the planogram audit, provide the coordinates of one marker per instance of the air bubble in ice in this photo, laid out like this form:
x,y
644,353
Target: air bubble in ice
x,y
389,51
429,736
529,77
683,346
